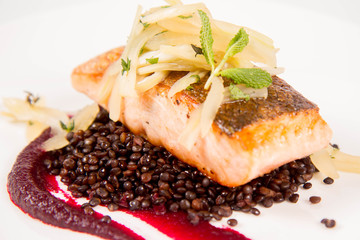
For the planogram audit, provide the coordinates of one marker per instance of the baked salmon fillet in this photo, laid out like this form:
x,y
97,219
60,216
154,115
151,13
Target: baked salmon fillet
x,y
247,138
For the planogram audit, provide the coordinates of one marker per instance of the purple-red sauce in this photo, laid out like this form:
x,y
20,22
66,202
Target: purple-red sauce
x,y
29,185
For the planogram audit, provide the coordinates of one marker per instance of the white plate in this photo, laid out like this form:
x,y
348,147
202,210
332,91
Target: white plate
x,y
319,49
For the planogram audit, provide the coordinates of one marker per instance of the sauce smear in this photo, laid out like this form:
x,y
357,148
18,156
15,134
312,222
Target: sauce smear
x,y
29,185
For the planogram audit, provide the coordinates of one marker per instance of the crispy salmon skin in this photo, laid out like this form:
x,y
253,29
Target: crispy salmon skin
x,y
247,139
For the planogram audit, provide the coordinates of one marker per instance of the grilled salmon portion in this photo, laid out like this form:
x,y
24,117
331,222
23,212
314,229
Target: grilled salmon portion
x,y
247,139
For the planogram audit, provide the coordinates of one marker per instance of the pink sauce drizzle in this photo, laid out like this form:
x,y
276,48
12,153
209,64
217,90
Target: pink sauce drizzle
x,y
174,225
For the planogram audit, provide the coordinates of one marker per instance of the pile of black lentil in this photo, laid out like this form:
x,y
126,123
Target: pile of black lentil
x,y
115,168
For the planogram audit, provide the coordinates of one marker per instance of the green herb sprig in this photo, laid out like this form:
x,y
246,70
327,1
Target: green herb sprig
x,y
68,127
251,77
125,65
206,39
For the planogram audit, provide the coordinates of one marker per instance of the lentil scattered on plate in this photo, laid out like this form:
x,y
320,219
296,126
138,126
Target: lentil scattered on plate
x,y
328,180
315,199
329,223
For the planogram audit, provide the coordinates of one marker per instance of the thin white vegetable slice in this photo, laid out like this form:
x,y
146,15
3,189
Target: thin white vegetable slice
x,y
125,84
115,103
23,111
343,161
173,2
128,80
85,117
211,105
57,141
191,132
259,49
135,30
323,162
272,70
252,92
34,129
173,11
151,81
185,81
165,67
172,38
108,82
162,57
189,24
186,53
82,120
232,29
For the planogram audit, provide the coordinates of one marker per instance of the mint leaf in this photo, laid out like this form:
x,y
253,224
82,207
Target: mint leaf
x,y
237,44
206,39
152,60
125,65
251,77
236,93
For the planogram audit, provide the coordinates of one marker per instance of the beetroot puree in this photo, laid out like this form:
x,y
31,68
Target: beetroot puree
x,y
28,184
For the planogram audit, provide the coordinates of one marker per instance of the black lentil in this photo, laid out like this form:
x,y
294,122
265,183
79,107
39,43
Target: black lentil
x,y
307,185
113,167
294,198
88,210
106,219
255,211
232,222
315,199
329,223
328,180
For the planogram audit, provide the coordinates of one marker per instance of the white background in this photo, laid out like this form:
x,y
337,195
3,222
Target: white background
x,y
42,41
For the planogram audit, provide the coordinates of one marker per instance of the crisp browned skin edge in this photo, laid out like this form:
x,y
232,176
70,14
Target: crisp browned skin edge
x,y
95,69
253,136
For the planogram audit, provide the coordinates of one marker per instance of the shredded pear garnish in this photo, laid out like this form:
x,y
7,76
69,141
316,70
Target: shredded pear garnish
x,y
323,162
185,37
330,160
38,118
236,93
